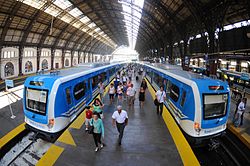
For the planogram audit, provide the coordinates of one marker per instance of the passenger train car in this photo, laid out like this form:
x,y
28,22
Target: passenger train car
x,y
52,101
200,105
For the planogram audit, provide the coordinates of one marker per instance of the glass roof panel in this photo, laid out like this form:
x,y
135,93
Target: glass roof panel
x,y
132,11
67,18
35,3
85,19
57,7
92,25
75,12
63,4
77,24
53,10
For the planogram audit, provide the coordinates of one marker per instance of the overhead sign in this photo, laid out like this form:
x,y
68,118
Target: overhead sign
x,y
9,83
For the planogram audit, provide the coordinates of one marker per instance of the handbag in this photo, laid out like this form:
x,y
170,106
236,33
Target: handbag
x,y
156,102
91,130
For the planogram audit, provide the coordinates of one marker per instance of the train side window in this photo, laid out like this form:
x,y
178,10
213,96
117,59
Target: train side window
x,y
95,81
158,79
79,90
174,92
183,98
102,77
68,97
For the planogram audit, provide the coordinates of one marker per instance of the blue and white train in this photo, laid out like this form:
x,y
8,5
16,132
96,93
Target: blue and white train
x,y
200,105
52,101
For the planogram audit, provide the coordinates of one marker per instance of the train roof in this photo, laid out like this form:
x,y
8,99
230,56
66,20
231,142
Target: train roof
x,y
68,74
185,76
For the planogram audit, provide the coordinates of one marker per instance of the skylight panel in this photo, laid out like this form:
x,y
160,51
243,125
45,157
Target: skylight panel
x,y
75,12
92,25
77,24
97,29
132,11
85,20
67,18
35,3
53,10
63,4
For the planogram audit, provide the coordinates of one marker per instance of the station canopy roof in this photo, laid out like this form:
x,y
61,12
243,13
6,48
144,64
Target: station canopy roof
x,y
101,26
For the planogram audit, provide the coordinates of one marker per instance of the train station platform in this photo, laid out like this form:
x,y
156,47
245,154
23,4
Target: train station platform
x,y
147,140
242,132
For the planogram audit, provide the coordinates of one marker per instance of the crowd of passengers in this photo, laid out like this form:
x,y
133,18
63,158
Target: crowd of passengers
x,y
120,90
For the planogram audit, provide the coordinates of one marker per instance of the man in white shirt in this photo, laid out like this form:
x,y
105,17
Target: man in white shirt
x,y
131,94
160,95
120,119
238,119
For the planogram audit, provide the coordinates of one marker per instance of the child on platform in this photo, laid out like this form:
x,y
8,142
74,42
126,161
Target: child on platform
x,y
88,117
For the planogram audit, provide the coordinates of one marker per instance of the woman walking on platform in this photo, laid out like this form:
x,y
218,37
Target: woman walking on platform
x,y
98,130
98,105
120,93
111,92
141,96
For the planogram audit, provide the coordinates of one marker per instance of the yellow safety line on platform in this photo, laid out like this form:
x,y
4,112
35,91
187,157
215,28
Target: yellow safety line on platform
x,y
240,133
187,155
50,156
67,138
5,139
77,124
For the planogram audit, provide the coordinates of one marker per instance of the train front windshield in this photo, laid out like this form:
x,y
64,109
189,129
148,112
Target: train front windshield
x,y
36,100
215,106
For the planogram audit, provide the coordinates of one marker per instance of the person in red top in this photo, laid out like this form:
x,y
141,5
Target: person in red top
x,y
88,117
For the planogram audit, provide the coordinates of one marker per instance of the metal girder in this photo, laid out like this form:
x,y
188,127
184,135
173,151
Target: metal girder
x,y
99,16
32,21
141,20
195,9
9,21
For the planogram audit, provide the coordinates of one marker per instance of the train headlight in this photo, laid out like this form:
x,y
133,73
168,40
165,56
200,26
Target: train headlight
x,y
51,123
197,128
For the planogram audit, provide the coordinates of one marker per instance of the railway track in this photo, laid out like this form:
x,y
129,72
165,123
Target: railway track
x,y
26,152
224,151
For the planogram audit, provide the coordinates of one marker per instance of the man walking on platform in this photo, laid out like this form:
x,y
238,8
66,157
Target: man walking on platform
x,y
120,119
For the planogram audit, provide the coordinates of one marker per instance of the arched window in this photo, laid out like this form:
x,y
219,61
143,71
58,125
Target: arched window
x,y
75,63
45,64
28,66
66,62
9,69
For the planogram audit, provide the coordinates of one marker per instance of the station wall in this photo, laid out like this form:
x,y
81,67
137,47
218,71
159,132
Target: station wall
x,y
9,61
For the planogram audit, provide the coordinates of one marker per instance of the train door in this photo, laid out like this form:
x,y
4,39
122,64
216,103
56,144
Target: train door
x,y
68,98
89,90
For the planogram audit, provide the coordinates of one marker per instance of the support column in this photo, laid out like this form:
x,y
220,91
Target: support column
x,y
88,54
38,56
78,56
20,60
63,58
0,62
212,66
52,58
71,58
92,57
170,54
84,57
238,66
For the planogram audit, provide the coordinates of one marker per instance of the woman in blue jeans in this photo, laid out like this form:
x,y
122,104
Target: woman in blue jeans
x,y
98,130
